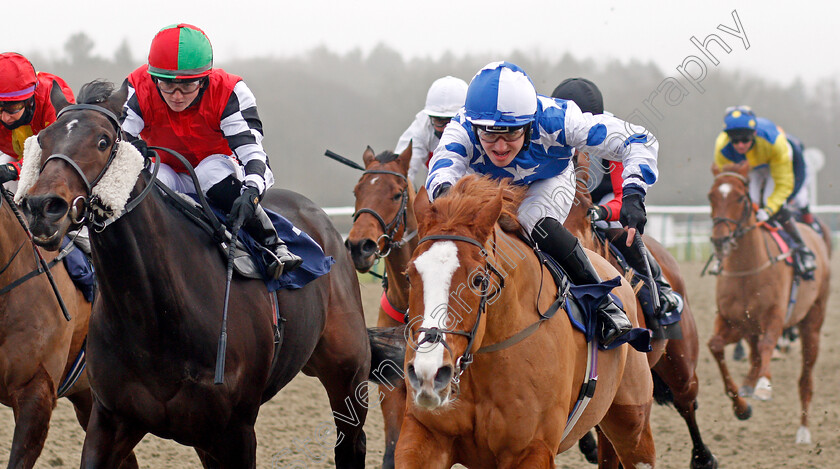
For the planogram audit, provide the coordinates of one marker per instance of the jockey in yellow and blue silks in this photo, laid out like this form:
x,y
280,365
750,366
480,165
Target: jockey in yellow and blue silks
x,y
507,130
776,166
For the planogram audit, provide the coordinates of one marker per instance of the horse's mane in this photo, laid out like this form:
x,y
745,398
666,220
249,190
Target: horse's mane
x,y
97,91
459,205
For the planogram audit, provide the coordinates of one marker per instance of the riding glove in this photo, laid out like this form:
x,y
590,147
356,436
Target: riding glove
x,y
8,172
633,213
244,206
442,189
762,215
597,213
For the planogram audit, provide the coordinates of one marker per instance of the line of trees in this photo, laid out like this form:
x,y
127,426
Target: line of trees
x,y
345,102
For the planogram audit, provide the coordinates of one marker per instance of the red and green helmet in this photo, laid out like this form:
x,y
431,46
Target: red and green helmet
x,y
182,52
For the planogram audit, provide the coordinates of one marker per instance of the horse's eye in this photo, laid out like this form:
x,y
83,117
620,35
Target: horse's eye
x,y
478,281
103,143
397,196
408,279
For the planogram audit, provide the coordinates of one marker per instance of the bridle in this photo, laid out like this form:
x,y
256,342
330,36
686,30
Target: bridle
x,y
389,230
89,202
740,226
434,335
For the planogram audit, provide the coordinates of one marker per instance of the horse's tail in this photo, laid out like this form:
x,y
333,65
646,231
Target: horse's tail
x,y
662,394
387,355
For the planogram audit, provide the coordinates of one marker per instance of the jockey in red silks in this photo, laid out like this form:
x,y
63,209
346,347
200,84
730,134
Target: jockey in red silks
x,y
179,101
606,193
26,108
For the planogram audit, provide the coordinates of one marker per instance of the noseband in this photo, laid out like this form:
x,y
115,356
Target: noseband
x,y
389,230
434,335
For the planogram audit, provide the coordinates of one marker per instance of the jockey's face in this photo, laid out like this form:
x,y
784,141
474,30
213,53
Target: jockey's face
x,y
502,148
742,143
179,96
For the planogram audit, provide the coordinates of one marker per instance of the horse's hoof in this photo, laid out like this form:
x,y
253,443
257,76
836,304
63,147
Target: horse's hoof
x,y
763,389
702,458
745,391
745,415
803,436
739,354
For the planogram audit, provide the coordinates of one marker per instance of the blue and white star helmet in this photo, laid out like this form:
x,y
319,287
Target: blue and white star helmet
x,y
501,95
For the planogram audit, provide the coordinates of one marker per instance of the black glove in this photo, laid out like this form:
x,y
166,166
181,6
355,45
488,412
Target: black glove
x,y
244,206
8,172
633,213
441,189
597,213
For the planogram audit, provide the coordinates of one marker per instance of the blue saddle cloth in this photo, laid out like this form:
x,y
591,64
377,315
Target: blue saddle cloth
x,y
315,262
80,270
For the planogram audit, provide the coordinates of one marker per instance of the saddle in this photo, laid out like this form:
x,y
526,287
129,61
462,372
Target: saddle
x,y
246,259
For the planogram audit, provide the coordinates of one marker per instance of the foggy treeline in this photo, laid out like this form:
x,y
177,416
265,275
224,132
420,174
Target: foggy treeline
x,y
344,102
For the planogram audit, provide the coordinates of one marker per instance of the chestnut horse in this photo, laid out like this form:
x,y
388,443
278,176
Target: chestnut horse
x,y
500,387
155,327
754,290
384,226
673,362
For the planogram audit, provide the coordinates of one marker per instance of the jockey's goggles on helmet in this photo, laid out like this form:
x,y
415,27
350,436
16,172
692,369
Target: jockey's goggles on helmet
x,y
12,107
439,122
185,87
492,133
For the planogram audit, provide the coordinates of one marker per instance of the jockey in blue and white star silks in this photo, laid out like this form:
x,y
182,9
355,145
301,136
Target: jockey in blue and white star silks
x,y
507,130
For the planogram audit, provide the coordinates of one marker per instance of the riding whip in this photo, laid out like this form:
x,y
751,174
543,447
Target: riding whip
x,y
654,290
220,353
37,253
344,160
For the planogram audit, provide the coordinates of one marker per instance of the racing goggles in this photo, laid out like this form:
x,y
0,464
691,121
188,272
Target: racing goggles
x,y
12,107
492,134
185,87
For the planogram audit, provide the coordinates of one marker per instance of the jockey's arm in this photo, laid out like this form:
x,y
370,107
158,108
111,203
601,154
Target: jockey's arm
x,y
781,170
417,134
132,119
614,206
242,128
451,157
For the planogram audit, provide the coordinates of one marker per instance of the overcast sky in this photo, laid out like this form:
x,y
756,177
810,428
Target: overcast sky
x,y
786,39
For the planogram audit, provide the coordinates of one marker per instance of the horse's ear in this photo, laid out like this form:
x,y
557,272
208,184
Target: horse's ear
x,y
423,210
117,99
368,156
715,169
57,98
489,214
405,158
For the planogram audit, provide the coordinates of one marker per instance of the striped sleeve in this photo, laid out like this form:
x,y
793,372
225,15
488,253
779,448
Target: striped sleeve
x,y
132,123
451,158
243,131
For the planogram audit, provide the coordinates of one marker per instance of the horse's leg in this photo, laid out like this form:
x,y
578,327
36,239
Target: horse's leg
x,y
589,447
32,405
207,461
418,448
236,448
607,458
537,455
108,441
677,369
82,404
392,404
758,378
725,334
809,330
628,428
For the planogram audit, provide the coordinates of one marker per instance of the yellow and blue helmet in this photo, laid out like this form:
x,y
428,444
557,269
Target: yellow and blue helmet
x,y
739,118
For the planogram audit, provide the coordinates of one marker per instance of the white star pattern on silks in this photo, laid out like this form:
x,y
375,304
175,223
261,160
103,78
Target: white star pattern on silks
x,y
521,173
548,140
480,159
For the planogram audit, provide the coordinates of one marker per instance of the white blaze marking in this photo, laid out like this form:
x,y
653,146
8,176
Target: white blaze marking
x,y
373,181
70,125
436,267
725,189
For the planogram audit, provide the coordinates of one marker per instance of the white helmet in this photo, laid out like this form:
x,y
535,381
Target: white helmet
x,y
501,95
445,97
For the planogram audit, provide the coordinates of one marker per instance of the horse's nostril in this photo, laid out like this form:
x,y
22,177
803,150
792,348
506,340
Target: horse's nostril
x,y
368,247
55,208
443,377
412,377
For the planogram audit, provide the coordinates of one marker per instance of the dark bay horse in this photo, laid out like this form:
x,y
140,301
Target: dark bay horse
x,y
754,293
384,227
480,396
155,327
673,362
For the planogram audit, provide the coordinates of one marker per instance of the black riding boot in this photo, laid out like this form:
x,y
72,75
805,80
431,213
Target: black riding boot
x,y
804,259
633,255
279,259
553,238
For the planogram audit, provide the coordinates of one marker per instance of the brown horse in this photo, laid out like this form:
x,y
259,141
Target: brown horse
x,y
384,226
479,395
753,294
155,328
673,362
